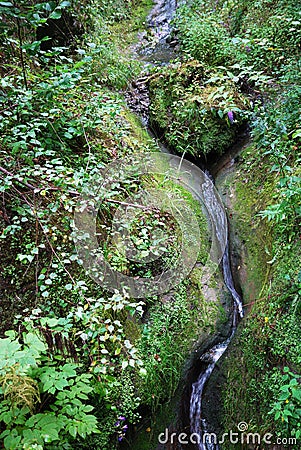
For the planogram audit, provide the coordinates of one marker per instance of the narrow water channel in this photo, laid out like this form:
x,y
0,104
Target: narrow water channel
x,y
161,51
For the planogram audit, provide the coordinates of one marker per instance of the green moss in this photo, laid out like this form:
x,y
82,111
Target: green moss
x,y
139,135
191,111
250,191
125,33
132,330
146,437
267,339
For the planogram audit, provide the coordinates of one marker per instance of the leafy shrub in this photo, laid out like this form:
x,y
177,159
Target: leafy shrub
x,y
197,111
263,34
287,409
42,401
276,130
203,36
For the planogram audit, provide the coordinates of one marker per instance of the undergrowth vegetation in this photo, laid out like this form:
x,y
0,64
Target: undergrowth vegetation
x,y
77,363
258,43
196,110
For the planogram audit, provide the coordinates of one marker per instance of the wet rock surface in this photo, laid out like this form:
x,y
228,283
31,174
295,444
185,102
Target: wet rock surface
x,y
137,98
156,43
157,46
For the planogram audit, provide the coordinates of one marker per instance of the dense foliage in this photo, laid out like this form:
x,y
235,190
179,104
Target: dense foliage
x,y
81,363
258,42
195,109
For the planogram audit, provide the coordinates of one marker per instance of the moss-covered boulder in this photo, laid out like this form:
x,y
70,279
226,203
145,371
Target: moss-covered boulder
x,y
195,110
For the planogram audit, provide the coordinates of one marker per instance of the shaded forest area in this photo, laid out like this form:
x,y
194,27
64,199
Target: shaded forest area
x,y
79,366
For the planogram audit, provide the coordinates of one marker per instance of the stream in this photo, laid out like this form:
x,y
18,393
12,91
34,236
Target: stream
x,y
198,425
160,50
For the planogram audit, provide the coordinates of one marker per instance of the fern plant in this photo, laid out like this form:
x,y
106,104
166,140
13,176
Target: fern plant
x,y
21,391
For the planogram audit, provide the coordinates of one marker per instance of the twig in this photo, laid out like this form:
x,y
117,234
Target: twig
x,y
21,50
30,186
35,188
261,299
89,147
75,193
127,204
47,239
55,132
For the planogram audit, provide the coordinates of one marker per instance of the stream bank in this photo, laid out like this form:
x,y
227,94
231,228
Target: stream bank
x,y
248,261
44,291
139,102
246,192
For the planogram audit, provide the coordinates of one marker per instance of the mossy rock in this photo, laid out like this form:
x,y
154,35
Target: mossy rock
x,y
196,111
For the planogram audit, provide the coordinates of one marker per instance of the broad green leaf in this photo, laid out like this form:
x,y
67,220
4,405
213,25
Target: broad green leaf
x,y
57,14
34,342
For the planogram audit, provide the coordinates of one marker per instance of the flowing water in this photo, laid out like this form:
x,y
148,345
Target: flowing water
x,y
157,46
198,425
161,51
